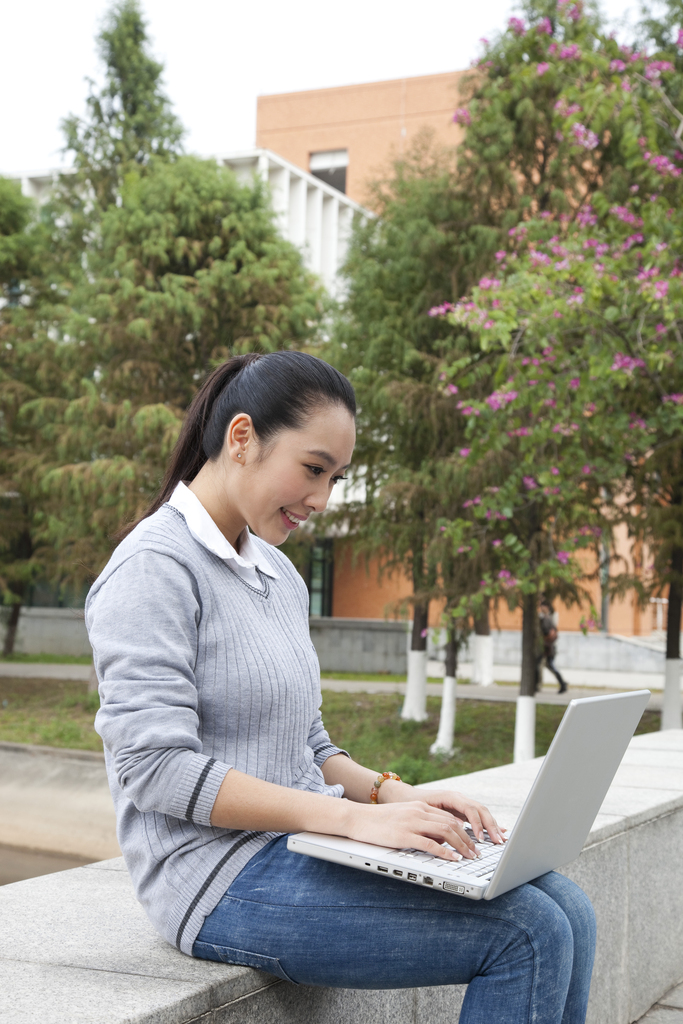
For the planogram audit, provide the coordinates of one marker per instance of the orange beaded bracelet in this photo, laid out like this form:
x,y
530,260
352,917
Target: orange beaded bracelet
x,y
378,782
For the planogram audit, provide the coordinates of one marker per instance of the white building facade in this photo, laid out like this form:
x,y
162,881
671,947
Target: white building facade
x,y
311,214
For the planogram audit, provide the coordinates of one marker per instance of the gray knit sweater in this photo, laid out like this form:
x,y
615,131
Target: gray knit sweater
x,y
199,672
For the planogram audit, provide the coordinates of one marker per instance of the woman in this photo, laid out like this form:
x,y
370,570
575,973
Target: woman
x,y
215,746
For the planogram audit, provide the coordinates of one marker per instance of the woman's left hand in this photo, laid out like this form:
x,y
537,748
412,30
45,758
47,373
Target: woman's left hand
x,y
458,804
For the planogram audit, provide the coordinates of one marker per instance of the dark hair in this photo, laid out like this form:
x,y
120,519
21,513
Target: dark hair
x,y
278,390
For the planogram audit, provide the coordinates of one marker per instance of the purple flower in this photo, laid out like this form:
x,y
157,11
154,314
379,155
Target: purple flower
x,y
499,399
617,65
496,543
627,363
570,52
465,452
626,215
674,399
563,557
545,27
529,483
655,68
500,255
586,469
489,282
489,323
574,383
554,470
452,389
636,421
586,217
679,39
461,550
584,137
661,288
442,310
542,68
462,116
660,329
517,26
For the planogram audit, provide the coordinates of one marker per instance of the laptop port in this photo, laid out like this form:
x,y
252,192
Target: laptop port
x,y
399,873
412,877
380,868
427,880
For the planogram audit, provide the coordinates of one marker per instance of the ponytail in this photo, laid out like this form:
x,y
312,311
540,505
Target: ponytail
x,y
277,390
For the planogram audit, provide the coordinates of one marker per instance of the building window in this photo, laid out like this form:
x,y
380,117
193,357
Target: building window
x,y
321,568
330,167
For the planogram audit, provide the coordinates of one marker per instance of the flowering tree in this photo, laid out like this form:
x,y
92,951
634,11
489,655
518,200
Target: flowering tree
x,y
582,313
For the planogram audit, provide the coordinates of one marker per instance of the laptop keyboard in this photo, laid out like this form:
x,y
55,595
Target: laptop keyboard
x,y
481,868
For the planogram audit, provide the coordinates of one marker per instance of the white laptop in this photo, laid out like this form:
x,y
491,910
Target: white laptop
x,y
551,828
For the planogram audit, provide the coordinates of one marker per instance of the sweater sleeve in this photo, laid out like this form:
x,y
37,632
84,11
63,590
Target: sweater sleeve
x,y
142,622
320,743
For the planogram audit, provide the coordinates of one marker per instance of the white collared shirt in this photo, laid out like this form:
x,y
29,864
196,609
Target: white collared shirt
x,y
202,527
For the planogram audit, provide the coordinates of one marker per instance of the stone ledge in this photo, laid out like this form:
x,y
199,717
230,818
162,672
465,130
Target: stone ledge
x,y
76,946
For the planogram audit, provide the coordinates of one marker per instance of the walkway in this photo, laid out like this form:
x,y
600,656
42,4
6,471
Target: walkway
x,y
467,691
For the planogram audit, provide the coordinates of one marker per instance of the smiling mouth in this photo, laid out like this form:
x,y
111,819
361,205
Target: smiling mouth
x,y
293,519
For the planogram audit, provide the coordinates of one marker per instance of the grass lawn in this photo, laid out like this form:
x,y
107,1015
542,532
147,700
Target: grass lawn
x,y
49,712
57,713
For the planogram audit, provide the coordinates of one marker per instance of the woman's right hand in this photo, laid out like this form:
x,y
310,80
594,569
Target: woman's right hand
x,y
409,824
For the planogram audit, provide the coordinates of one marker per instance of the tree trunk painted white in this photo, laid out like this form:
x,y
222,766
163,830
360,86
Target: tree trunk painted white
x,y
482,669
415,705
671,707
443,744
525,729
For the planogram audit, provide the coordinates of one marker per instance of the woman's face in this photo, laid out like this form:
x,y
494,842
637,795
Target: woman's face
x,y
294,476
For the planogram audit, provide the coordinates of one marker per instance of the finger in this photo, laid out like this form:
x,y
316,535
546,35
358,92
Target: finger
x,y
456,836
475,819
434,847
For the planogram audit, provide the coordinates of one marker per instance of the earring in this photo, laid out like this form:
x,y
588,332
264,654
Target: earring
x,y
239,456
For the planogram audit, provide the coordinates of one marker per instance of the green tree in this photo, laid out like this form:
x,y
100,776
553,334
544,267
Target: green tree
x,y
400,265
153,267
189,270
129,118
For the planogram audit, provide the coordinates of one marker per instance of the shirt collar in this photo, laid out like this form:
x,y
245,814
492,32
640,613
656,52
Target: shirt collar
x,y
203,529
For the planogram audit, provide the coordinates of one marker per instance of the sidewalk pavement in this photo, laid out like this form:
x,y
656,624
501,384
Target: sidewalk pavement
x,y
495,692
587,684
44,670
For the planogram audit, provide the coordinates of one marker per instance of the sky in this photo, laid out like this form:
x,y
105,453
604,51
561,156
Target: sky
x,y
219,55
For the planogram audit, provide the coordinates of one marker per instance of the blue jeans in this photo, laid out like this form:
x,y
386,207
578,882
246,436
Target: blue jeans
x,y
527,955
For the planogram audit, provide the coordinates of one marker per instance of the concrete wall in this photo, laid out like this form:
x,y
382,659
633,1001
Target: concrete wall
x,y
596,651
360,645
364,645
75,947
51,631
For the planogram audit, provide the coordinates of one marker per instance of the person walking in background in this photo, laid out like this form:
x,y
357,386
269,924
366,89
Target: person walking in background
x,y
549,649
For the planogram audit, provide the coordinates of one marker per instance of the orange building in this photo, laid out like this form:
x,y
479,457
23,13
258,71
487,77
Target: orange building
x,y
347,137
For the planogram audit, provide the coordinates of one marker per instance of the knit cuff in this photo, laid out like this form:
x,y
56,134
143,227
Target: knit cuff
x,y
327,750
198,789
